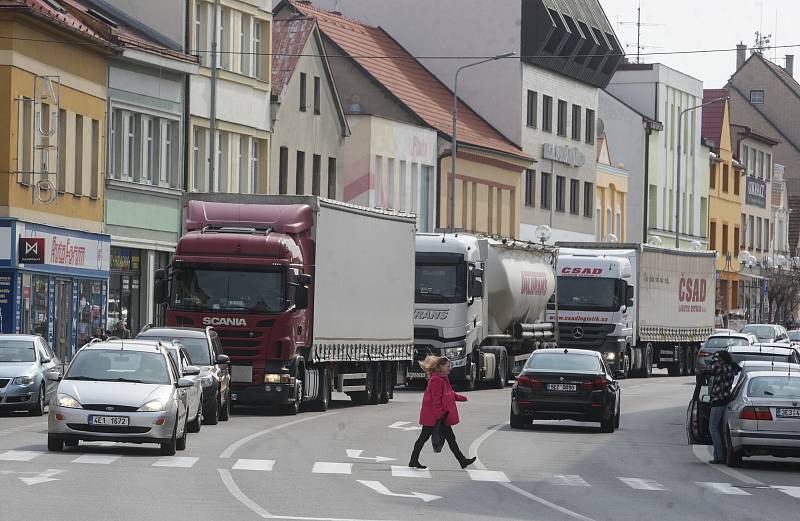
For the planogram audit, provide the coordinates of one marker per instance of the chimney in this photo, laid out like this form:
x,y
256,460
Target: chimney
x,y
790,64
741,55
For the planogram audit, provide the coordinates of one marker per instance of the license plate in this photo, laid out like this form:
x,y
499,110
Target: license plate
x,y
788,413
109,421
561,387
242,374
416,375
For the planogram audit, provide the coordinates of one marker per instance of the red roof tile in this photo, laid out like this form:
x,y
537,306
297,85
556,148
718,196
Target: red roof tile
x,y
289,38
407,79
713,116
67,19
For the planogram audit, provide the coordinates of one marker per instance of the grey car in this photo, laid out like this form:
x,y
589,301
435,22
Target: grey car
x,y
126,391
183,361
767,333
718,342
26,361
770,352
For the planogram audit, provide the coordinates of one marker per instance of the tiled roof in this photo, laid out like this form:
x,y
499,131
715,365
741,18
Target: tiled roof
x,y
66,18
713,116
289,38
782,74
404,77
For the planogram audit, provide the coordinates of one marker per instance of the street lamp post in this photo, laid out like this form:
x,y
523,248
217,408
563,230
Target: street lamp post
x,y
678,181
454,146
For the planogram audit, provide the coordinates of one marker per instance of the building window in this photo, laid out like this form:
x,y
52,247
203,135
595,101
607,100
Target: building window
x,y
561,186
725,178
545,191
712,178
724,239
94,189
402,189
737,180
252,184
316,95
750,232
316,172
712,236
244,45
547,113
198,32
130,146
759,244
588,199
590,126
148,158
576,122
745,157
530,187
574,196
331,178
62,143
222,47
79,177
757,96
760,167
532,107
256,49
302,91
300,173
283,171
196,160
736,233
768,166
562,118
766,235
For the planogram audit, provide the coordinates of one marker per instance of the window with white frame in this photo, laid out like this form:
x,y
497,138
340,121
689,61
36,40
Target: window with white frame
x,y
244,145
165,170
148,150
129,147
254,166
244,44
199,40
256,49
143,148
196,160
223,19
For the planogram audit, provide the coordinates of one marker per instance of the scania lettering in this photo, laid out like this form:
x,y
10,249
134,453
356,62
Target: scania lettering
x,y
639,305
296,288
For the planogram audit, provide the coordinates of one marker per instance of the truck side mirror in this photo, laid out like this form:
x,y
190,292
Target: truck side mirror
x,y
629,296
477,288
477,273
160,291
301,298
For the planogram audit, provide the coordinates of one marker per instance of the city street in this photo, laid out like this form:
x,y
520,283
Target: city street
x,y
349,463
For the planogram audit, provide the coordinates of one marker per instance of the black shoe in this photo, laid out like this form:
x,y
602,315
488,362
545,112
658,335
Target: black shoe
x,y
467,462
716,461
416,465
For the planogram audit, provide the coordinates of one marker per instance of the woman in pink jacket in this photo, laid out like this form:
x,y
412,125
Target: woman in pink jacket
x,y
439,402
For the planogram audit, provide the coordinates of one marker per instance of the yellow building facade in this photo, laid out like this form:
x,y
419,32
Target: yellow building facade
x,y
612,196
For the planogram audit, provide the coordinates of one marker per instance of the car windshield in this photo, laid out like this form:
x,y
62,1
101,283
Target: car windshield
x,y
195,289
762,332
17,351
563,362
587,293
197,347
774,387
718,342
775,357
440,283
114,365
794,336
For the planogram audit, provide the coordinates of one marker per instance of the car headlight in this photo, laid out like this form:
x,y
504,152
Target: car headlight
x,y
207,380
67,401
611,356
152,406
454,352
22,380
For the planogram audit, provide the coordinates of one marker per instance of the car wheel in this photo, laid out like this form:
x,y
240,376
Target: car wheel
x,y
618,416
608,425
168,448
212,418
225,410
517,421
38,409
733,458
54,444
194,425
180,443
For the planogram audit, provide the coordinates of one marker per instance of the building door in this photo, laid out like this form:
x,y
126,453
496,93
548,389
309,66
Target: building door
x,y
63,314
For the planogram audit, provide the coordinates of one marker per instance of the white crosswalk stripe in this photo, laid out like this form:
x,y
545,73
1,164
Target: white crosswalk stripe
x,y
488,475
722,488
401,471
19,455
642,484
182,462
264,465
570,480
791,491
96,459
327,467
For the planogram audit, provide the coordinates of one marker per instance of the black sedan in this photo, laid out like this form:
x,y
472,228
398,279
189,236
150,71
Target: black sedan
x,y
566,384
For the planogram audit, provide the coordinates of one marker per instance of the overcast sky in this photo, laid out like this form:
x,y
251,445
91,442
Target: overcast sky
x,y
705,24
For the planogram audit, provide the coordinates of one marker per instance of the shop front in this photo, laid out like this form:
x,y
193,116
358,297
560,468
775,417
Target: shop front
x,y
53,282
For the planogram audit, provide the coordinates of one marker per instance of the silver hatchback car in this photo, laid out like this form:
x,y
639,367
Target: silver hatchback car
x,y
122,390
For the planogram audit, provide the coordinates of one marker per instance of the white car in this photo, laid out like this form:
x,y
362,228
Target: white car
x,y
126,391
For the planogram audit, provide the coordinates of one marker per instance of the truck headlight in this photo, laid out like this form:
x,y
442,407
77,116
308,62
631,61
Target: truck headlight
x,y
454,352
67,401
22,380
611,356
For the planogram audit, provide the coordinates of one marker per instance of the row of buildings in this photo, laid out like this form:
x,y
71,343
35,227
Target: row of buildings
x,y
116,108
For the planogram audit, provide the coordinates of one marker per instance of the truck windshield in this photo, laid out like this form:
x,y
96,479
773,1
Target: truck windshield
x,y
588,293
196,289
441,283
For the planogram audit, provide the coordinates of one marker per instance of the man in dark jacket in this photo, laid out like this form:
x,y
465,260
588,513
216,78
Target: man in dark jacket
x,y
722,371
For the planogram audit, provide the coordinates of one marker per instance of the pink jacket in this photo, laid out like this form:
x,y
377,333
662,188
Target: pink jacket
x,y
439,398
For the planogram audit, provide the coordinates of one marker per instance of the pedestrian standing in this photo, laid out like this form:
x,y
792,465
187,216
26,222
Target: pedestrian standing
x,y
438,403
722,371
121,331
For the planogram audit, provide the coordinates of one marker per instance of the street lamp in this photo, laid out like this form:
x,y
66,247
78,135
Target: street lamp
x,y
454,147
678,183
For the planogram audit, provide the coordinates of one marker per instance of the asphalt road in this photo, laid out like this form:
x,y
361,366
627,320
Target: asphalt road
x,y
349,463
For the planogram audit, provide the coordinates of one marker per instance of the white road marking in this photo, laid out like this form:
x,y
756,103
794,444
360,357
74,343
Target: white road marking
x,y
378,487
356,454
233,447
95,459
183,462
42,477
488,475
642,484
327,467
723,488
19,455
400,471
473,451
703,453
11,430
792,491
264,465
570,480
402,426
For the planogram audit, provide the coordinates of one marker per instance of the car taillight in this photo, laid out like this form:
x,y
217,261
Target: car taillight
x,y
596,384
527,381
756,413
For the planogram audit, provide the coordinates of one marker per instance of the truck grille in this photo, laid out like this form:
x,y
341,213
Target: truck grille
x,y
577,335
421,351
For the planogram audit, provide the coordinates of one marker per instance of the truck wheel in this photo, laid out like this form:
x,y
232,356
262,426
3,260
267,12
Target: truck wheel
x,y
377,384
647,367
472,378
501,371
365,397
323,400
292,409
386,388
688,362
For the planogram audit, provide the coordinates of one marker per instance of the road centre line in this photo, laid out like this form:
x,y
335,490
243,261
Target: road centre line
x,y
233,447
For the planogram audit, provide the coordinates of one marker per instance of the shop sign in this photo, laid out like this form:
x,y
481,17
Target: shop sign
x,y
563,154
30,250
124,259
756,192
41,246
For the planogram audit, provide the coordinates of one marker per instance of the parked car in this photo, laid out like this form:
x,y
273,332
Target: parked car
x,y
767,333
26,361
182,360
121,391
749,366
718,342
205,350
763,351
794,336
560,384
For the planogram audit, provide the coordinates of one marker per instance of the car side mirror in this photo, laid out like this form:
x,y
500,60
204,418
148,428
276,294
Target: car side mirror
x,y
223,359
191,370
304,279
53,376
46,360
184,383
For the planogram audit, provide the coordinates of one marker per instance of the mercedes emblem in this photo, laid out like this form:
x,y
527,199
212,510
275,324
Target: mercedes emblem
x,y
577,332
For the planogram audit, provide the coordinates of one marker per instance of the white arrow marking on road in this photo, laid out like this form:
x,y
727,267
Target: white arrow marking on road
x,y
378,487
402,426
356,454
42,477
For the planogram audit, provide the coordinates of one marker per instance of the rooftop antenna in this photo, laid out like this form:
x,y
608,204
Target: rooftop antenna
x,y
639,24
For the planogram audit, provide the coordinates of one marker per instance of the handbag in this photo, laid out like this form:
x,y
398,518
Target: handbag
x,y
438,434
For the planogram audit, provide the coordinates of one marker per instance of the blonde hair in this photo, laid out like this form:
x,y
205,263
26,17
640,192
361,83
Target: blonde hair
x,y
432,363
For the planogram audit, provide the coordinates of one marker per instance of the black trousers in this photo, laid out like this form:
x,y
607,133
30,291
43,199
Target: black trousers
x,y
449,436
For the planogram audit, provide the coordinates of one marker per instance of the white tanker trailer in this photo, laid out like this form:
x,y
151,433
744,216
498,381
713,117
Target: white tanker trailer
x,y
480,302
